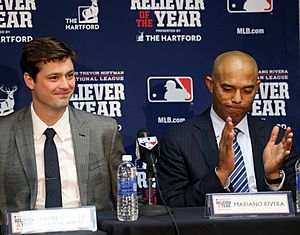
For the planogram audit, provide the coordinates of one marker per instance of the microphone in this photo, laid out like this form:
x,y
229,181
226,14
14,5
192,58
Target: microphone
x,y
147,149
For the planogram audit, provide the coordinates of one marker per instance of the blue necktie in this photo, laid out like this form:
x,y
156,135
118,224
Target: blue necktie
x,y
52,175
238,177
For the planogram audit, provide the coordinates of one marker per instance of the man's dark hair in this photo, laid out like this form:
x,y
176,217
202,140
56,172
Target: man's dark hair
x,y
44,50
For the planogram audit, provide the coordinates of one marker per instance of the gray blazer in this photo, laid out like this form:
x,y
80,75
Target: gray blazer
x,y
98,148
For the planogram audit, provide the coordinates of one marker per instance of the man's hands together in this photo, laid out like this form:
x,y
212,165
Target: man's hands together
x,y
273,156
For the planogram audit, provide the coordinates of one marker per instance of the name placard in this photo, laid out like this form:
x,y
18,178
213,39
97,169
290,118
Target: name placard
x,y
249,204
52,220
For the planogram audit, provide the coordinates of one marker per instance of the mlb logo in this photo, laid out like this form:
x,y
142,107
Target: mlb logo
x,y
170,89
148,142
249,6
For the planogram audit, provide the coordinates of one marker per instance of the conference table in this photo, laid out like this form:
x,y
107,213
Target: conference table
x,y
191,221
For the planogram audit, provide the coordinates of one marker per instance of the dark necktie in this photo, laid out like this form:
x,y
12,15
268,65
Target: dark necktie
x,y
238,177
52,175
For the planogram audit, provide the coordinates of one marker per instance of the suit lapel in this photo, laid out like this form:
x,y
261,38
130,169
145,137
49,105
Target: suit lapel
x,y
206,139
25,145
258,137
80,135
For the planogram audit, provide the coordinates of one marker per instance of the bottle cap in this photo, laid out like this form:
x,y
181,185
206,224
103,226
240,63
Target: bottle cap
x,y
126,158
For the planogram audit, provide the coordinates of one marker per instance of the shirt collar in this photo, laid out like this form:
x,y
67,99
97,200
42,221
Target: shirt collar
x,y
218,124
61,127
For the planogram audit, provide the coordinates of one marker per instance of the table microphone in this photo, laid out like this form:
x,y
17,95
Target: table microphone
x,y
147,151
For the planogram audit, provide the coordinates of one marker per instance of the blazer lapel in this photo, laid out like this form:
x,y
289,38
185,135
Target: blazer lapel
x,y
81,140
206,139
258,137
25,144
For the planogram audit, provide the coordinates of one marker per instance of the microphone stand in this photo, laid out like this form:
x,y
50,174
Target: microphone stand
x,y
151,209
149,183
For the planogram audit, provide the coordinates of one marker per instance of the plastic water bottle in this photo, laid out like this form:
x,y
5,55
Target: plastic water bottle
x,y
127,201
297,169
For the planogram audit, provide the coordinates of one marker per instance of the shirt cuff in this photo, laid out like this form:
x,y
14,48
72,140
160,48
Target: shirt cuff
x,y
227,183
274,188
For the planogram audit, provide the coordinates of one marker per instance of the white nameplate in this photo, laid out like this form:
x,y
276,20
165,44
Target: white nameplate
x,y
243,204
53,220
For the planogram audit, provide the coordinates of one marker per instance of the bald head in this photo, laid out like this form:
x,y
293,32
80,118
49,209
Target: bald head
x,y
233,61
233,84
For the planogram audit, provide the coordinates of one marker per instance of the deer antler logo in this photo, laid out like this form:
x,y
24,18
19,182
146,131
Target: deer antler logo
x,y
7,105
90,14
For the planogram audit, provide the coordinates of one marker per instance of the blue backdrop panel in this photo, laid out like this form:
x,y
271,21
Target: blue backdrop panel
x,y
129,50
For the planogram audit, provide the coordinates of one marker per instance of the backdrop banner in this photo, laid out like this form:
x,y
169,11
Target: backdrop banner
x,y
144,62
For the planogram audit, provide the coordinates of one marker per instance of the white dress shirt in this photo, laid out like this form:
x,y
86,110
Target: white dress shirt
x,y
244,140
66,158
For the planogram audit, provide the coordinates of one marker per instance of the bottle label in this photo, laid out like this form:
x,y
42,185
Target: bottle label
x,y
127,187
298,180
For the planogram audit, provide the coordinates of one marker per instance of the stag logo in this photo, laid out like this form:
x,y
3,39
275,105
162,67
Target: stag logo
x,y
89,14
140,37
7,105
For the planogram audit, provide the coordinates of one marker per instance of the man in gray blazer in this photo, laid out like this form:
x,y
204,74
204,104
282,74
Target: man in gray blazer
x,y
89,147
197,157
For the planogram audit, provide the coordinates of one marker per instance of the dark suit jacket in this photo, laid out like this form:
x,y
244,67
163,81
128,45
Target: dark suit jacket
x,y
98,147
189,155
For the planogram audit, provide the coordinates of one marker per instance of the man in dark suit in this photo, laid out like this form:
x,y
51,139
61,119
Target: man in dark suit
x,y
197,157
89,147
